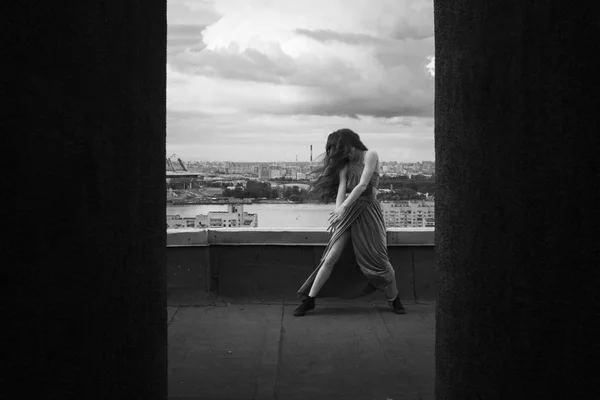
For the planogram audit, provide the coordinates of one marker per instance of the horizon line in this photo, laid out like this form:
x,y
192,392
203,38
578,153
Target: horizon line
x,y
263,162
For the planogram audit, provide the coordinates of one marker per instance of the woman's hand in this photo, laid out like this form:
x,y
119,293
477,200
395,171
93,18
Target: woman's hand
x,y
335,217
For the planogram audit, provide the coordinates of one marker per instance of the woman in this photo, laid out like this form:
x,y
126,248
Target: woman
x,y
349,167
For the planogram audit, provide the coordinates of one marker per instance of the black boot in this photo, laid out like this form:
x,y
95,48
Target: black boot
x,y
397,306
307,305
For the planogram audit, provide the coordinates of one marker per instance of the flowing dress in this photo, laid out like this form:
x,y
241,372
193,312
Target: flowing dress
x,y
368,243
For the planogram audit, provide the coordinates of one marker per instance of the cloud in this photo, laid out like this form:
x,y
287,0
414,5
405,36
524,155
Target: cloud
x,y
335,60
186,19
325,35
431,66
363,58
181,37
191,12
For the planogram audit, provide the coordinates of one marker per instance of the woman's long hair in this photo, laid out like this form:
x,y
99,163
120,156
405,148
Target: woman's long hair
x,y
338,152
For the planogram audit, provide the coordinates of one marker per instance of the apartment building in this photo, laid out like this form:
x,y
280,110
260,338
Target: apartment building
x,y
409,214
264,173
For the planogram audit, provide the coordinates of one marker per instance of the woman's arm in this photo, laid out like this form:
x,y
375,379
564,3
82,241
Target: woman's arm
x,y
371,159
341,194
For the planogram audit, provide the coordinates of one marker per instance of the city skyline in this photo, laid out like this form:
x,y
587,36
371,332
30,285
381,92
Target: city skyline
x,y
257,80
293,162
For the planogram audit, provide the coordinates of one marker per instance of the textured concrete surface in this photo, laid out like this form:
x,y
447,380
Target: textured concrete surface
x,y
352,350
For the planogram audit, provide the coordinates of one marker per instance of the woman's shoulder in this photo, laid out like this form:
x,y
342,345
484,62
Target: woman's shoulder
x,y
371,154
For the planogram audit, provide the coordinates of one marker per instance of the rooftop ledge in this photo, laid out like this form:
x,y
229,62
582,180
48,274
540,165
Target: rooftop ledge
x,y
186,237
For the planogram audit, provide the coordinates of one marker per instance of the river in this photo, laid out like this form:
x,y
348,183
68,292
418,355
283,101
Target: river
x,y
269,215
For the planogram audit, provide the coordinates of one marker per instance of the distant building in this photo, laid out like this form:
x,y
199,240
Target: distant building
x,y
409,214
264,173
234,217
175,222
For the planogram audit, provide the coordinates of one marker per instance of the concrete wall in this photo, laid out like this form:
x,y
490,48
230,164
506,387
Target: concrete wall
x,y
517,166
250,264
85,244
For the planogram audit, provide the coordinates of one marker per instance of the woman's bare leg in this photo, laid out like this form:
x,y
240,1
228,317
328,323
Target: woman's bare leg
x,y
391,291
332,257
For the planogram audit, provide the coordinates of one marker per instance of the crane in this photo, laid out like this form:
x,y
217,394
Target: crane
x,y
173,165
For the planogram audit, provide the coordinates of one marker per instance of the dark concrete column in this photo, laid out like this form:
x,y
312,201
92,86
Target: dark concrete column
x,y
518,160
85,244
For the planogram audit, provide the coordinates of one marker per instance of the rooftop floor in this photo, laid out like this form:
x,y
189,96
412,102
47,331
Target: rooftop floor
x,y
341,350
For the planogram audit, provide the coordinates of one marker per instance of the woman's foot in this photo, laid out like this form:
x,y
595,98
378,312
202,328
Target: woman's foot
x,y
307,305
397,306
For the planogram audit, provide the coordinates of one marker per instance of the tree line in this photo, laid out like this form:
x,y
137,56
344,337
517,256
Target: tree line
x,y
403,189
417,183
253,189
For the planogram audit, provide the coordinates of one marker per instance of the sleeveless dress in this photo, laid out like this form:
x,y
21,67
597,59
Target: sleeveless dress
x,y
368,243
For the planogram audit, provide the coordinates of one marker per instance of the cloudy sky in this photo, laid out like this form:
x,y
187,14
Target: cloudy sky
x,y
262,80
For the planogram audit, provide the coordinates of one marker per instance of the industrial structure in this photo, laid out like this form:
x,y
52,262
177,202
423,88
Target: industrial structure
x,y
178,177
174,164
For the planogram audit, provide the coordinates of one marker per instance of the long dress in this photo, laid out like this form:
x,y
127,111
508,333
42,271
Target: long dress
x,y
368,239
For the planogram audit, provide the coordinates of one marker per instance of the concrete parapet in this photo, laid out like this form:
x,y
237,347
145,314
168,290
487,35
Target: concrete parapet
x,y
285,236
270,264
